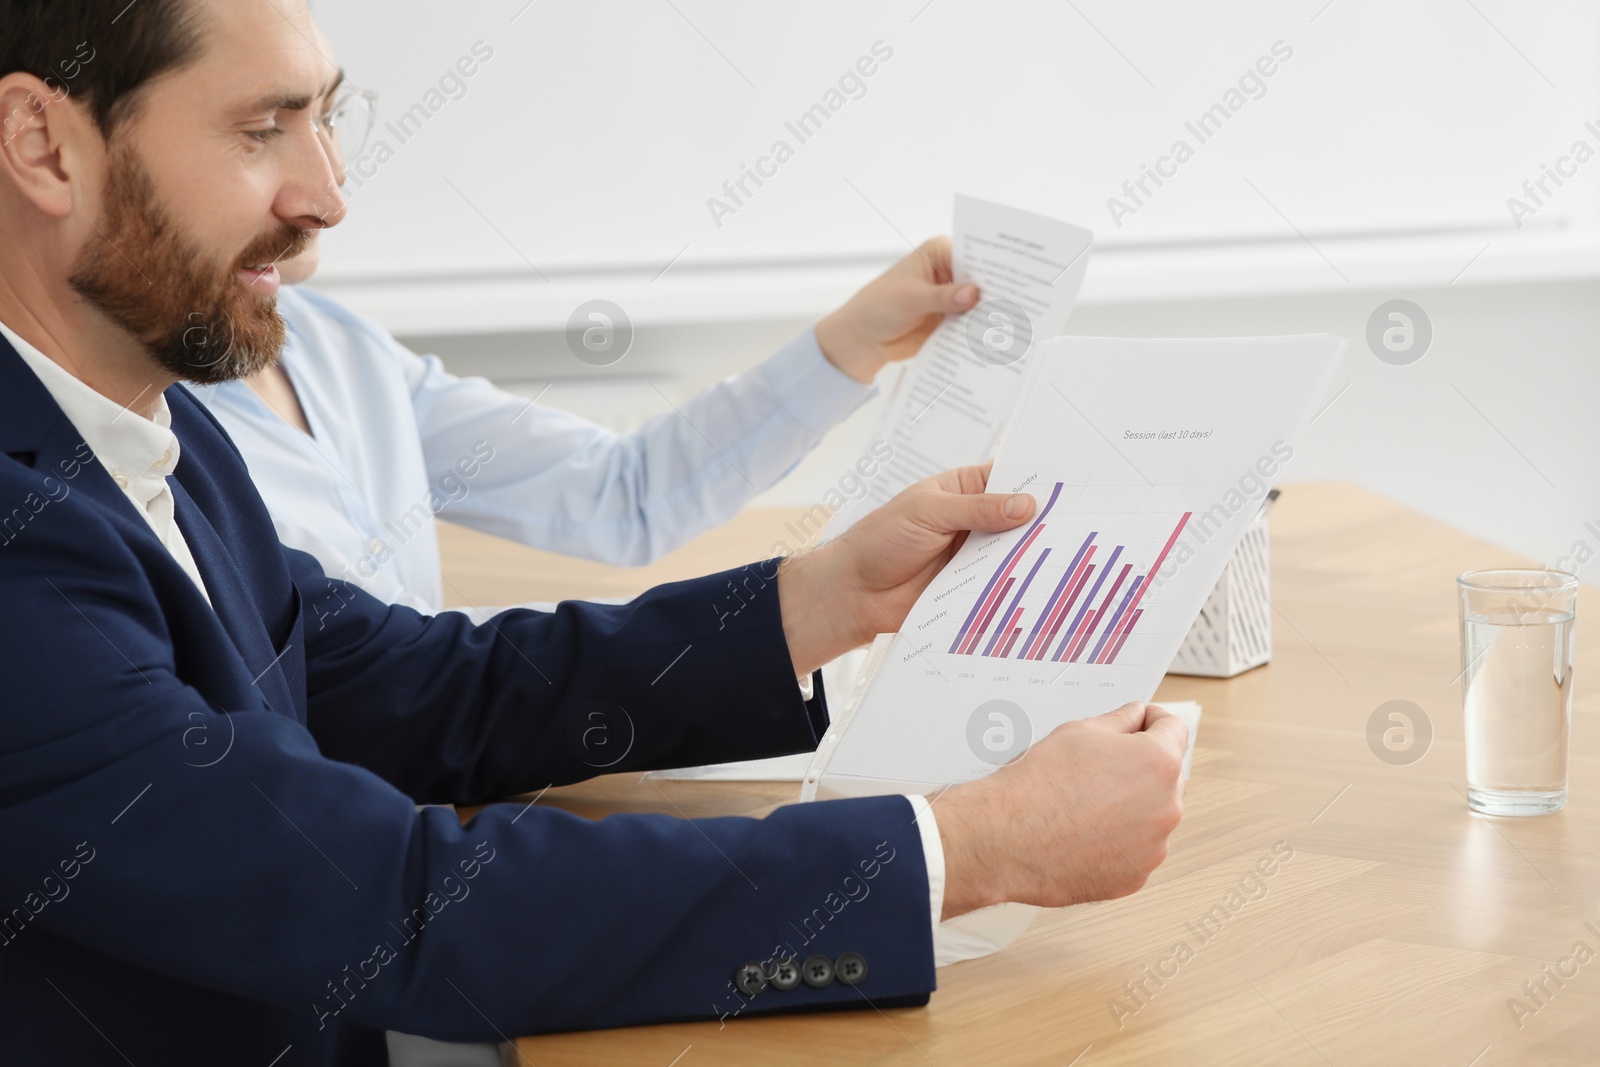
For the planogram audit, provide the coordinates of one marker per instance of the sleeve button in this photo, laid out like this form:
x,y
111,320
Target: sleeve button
x,y
817,972
784,975
749,980
850,968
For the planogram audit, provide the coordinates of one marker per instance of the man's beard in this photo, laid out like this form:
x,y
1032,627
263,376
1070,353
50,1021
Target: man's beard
x,y
195,316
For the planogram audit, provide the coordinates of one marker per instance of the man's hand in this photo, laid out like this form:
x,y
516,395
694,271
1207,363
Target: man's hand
x,y
894,313
1082,815
864,583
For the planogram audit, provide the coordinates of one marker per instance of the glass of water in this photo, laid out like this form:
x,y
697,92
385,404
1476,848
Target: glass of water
x,y
1516,660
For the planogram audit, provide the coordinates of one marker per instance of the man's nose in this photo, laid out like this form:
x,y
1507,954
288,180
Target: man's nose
x,y
311,198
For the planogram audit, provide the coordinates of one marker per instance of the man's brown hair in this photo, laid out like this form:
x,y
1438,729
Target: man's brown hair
x,y
99,52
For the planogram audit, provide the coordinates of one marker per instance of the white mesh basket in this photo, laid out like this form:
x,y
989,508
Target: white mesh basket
x,y
1234,630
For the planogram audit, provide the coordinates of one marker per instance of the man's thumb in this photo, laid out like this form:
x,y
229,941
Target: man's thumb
x,y
963,296
985,512
952,299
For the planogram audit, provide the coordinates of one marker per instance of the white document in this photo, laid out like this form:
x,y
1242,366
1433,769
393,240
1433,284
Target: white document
x,y
950,405
1148,459
954,398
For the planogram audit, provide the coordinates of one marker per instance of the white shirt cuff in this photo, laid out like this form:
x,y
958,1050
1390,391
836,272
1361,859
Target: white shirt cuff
x,y
933,853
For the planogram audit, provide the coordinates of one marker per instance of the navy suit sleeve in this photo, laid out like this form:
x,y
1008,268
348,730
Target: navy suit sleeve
x,y
286,866
691,673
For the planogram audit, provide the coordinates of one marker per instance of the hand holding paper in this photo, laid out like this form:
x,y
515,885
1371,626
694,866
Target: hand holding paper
x,y
1083,815
951,404
838,597
891,317
1148,459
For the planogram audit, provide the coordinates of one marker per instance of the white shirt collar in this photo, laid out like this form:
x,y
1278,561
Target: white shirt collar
x,y
139,453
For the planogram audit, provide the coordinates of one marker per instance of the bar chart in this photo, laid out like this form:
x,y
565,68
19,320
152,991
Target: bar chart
x,y
1089,615
1147,461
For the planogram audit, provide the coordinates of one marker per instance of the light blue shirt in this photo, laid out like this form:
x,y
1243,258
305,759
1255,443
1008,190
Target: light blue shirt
x,y
397,442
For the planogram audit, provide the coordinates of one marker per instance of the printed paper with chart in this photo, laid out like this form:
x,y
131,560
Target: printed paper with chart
x,y
1148,458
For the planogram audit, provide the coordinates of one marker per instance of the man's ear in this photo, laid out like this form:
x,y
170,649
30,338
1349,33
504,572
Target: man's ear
x,y
44,138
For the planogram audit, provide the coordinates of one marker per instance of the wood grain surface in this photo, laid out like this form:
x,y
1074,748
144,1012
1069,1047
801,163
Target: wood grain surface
x,y
1394,927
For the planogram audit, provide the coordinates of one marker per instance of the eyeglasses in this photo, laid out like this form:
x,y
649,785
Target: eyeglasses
x,y
348,122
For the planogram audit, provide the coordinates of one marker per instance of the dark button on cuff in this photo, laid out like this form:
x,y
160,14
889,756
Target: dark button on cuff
x,y
850,968
784,975
749,980
817,971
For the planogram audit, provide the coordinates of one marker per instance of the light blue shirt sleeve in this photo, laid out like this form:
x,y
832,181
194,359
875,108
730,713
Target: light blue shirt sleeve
x,y
561,483
398,441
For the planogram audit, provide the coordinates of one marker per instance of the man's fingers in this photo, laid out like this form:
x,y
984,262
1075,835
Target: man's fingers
x,y
936,291
972,479
1128,719
1161,723
934,253
984,512
924,298
954,299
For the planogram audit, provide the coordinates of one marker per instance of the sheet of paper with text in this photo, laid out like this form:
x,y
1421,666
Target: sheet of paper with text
x,y
954,398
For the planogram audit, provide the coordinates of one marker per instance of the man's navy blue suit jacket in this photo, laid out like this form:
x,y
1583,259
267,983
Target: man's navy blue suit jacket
x,y
210,850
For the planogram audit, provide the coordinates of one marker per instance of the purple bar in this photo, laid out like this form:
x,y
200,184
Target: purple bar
x,y
1005,631
1072,631
1111,627
1055,597
970,641
1094,623
988,616
1155,568
1043,644
1116,649
1086,570
1017,600
966,627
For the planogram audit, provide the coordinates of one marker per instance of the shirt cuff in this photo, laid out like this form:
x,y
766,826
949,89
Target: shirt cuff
x,y
933,853
812,391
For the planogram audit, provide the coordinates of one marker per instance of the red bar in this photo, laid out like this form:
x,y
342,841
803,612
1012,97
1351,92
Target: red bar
x,y
1006,651
1070,602
1068,599
1093,621
988,617
1005,628
1156,566
996,594
1111,657
1118,622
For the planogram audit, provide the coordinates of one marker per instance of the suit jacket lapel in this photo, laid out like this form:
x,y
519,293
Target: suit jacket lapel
x,y
34,430
233,601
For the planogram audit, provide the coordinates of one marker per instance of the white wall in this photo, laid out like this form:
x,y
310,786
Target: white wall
x,y
1378,164
581,157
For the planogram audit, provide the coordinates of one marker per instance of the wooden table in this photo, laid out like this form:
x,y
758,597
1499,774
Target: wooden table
x,y
1401,931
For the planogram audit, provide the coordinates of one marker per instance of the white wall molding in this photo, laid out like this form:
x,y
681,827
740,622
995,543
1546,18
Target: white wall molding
x,y
763,290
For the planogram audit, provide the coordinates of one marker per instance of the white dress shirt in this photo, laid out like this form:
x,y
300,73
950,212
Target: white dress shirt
x,y
139,453
933,854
